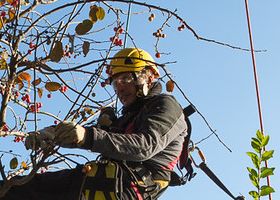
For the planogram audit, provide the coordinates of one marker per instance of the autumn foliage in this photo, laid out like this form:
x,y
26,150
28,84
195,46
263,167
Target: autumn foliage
x,y
53,58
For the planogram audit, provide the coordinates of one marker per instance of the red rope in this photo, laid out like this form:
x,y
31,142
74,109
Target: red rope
x,y
256,81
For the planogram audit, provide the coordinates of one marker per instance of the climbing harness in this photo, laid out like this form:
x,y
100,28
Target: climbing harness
x,y
186,161
103,180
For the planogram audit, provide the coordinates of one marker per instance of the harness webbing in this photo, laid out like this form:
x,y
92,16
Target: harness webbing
x,y
216,180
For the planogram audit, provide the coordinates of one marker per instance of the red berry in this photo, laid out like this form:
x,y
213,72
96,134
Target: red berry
x,y
55,122
120,31
3,14
49,95
5,127
28,100
157,55
115,29
63,88
23,98
17,94
120,42
29,51
103,84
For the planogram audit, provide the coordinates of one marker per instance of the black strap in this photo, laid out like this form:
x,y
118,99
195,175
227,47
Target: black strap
x,y
216,180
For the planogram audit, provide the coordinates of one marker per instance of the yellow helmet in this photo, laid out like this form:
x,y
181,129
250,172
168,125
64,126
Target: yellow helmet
x,y
132,60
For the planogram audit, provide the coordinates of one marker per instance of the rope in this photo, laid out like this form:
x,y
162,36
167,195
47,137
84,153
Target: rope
x,y
256,82
127,24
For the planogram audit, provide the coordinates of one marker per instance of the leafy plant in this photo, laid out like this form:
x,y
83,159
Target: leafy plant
x,y
258,157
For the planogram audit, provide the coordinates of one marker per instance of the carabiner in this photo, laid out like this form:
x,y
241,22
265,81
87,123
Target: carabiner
x,y
201,155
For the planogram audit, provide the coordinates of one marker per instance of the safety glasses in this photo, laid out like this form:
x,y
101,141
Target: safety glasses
x,y
122,79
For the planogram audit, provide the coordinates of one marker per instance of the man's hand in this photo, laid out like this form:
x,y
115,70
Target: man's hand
x,y
40,139
70,134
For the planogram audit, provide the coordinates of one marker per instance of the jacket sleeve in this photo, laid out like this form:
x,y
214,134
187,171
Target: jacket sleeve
x,y
157,125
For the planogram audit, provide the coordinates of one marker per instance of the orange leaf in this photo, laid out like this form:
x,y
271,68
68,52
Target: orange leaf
x,y
11,13
40,92
19,82
24,165
52,86
170,86
36,82
24,76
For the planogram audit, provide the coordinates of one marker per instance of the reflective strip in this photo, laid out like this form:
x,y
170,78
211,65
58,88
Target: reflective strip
x,y
99,195
162,183
87,194
110,170
113,196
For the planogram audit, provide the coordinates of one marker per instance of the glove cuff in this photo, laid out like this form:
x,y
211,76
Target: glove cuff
x,y
88,138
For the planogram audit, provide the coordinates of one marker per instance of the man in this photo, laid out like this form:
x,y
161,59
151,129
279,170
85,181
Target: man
x,y
146,140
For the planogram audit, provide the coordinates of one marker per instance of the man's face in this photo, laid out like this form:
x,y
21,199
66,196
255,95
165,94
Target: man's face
x,y
124,85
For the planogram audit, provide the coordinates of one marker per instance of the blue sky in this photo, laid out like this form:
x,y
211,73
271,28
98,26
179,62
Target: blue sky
x,y
219,82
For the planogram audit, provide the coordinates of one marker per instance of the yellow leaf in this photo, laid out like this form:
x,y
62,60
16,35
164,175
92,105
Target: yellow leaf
x,y
88,110
2,2
14,163
84,27
40,92
2,22
10,1
57,52
169,86
100,14
36,82
3,64
52,86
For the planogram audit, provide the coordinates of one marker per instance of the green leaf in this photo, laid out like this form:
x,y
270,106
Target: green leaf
x,y
260,136
254,194
252,172
267,155
267,172
14,163
254,180
266,190
255,159
255,143
265,141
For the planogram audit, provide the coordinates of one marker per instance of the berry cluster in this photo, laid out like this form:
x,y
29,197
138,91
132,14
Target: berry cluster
x,y
32,46
63,88
18,139
67,52
152,17
106,82
159,34
182,27
5,128
35,107
26,98
16,94
115,39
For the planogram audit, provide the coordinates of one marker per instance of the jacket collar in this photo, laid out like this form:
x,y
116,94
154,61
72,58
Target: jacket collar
x,y
156,89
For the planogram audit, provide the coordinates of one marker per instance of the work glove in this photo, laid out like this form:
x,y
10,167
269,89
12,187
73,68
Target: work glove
x,y
40,139
70,135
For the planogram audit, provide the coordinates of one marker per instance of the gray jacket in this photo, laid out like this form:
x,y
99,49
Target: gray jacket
x,y
150,132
